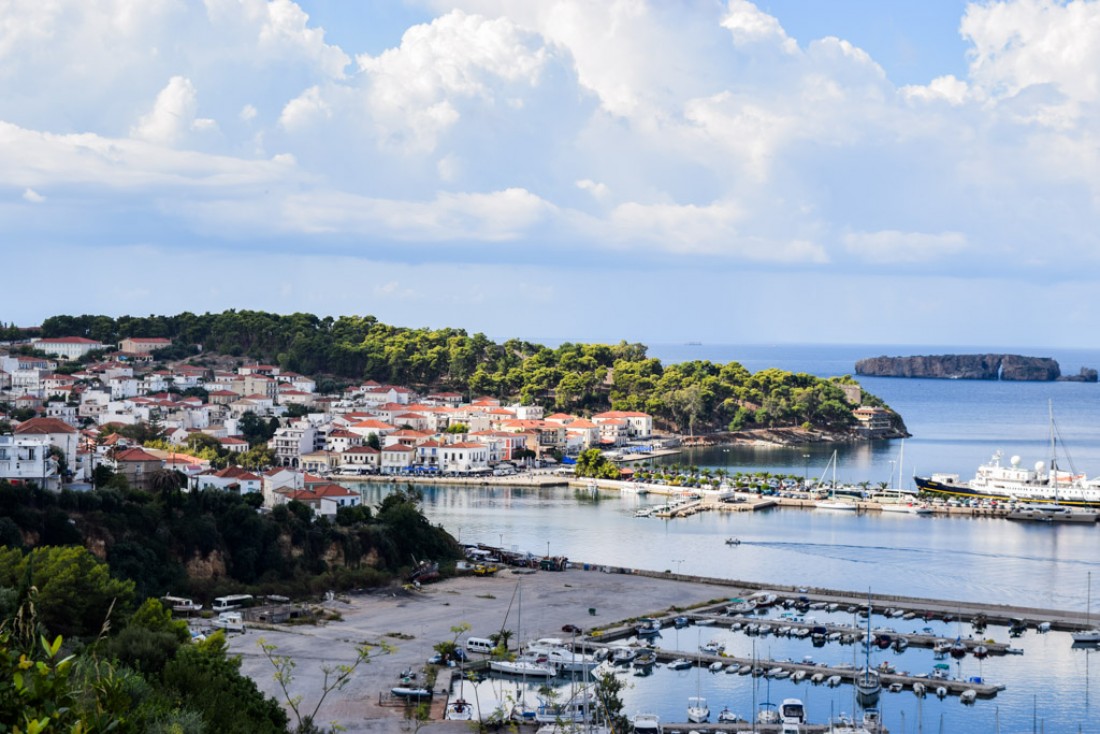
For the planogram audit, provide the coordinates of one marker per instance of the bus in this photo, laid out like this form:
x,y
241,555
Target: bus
x,y
233,601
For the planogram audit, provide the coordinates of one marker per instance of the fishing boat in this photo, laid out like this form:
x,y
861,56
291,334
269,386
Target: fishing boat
x,y
648,628
1090,635
1042,484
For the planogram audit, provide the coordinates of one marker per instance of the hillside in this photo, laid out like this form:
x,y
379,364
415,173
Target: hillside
x,y
691,397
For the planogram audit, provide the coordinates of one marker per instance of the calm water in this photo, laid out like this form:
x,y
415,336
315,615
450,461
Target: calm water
x,y
955,426
981,560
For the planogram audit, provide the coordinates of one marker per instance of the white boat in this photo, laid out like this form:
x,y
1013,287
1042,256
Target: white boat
x,y
679,664
968,696
566,659
181,605
697,710
1015,483
941,692
725,716
832,503
868,683
526,667
229,621
768,714
792,711
833,681
733,668
460,710
919,689
1090,635
647,724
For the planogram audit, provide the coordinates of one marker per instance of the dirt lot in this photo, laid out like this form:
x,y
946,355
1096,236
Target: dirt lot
x,y
412,621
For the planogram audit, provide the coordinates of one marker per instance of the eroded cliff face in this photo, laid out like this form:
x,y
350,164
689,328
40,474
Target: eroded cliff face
x,y
1012,367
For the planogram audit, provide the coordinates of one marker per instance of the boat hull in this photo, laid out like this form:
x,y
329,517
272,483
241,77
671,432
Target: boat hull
x,y
950,489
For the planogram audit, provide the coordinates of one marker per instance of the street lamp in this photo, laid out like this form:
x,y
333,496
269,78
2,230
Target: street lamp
x,y
677,562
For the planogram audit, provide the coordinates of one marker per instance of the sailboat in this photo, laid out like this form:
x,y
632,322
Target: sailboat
x,y
697,710
867,682
1088,636
833,503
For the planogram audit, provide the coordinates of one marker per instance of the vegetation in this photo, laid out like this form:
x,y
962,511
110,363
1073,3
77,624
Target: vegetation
x,y
152,539
138,673
592,463
689,397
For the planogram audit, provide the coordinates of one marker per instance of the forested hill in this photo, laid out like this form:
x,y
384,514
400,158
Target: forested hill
x,y
692,396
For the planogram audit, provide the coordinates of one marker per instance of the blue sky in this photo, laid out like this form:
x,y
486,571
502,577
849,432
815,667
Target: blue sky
x,y
700,170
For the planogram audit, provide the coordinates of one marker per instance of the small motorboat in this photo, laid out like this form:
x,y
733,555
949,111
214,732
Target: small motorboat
x,y
895,687
817,678
716,666
725,716
941,692
968,696
460,710
833,681
733,668
411,692
919,689
798,676
733,541
679,664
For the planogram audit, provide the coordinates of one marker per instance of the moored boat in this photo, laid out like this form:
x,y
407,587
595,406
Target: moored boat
x,y
1014,483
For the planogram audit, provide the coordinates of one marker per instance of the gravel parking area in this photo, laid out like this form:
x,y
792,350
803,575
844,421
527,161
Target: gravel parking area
x,y
412,621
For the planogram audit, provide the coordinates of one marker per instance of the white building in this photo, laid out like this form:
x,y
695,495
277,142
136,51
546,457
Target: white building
x,y
26,459
67,347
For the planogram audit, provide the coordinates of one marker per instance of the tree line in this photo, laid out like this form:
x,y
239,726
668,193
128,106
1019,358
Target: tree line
x,y
583,378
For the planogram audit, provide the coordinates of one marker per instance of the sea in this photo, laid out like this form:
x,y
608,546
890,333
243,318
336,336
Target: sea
x,y
955,425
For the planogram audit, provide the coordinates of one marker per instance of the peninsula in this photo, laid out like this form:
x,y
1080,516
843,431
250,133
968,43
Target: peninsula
x,y
1007,367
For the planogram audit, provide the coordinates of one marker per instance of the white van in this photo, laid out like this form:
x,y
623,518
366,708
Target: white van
x,y
479,644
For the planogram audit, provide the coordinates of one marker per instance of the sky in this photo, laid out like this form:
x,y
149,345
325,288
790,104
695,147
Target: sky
x,y
785,171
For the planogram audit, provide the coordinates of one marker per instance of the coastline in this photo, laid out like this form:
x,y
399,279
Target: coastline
x,y
410,622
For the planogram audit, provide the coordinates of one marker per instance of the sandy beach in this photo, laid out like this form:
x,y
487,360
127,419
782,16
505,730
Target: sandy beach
x,y
411,622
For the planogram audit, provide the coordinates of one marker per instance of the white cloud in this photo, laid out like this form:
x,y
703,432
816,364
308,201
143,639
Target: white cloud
x,y
413,89
598,190
173,114
748,24
946,88
892,246
1023,43
303,111
248,113
33,196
